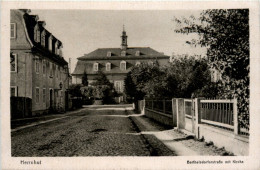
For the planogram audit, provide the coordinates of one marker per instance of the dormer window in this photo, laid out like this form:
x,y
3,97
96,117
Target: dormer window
x,y
109,54
137,63
137,53
123,65
50,43
108,66
43,38
95,67
123,53
56,48
36,34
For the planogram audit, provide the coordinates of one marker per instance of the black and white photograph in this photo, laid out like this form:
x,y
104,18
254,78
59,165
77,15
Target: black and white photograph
x,y
152,84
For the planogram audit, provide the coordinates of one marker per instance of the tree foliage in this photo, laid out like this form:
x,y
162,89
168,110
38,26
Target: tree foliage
x,y
75,90
103,89
225,33
179,79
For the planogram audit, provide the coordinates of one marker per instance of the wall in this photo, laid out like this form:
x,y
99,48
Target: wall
x,y
26,79
46,81
159,117
222,138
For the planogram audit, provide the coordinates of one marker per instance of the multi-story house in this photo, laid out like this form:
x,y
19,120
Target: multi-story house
x,y
115,63
38,69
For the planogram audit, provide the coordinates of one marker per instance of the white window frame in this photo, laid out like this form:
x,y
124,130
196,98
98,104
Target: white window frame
x,y
43,66
44,95
121,64
37,34
56,47
95,66
51,70
50,43
37,88
119,86
109,54
37,62
57,72
14,30
137,53
108,66
123,53
13,87
43,38
15,61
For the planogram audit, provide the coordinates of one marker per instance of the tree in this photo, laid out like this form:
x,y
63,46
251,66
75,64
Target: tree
x,y
225,33
186,75
103,89
75,90
87,91
85,79
101,79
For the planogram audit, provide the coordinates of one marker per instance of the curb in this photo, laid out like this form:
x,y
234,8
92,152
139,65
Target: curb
x,y
147,144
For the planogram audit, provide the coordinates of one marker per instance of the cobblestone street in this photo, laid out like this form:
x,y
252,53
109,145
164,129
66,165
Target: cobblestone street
x,y
94,131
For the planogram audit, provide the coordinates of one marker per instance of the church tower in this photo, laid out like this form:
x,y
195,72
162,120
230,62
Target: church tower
x,y
124,39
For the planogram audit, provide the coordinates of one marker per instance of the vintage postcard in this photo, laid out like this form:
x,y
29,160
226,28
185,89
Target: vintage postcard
x,y
130,85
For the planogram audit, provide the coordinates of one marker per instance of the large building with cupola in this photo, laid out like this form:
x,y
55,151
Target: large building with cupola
x,y
115,63
39,74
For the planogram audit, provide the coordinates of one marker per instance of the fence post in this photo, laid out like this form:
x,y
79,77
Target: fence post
x,y
180,113
174,115
235,116
197,116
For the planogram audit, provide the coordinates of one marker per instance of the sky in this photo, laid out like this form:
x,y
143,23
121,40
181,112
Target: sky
x,y
83,31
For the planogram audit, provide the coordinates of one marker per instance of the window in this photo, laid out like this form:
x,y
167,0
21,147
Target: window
x,y
108,66
57,72
13,30
43,39
123,53
50,43
37,66
13,62
137,53
119,86
137,63
51,71
123,65
43,67
36,34
37,94
43,95
109,53
13,90
56,48
95,67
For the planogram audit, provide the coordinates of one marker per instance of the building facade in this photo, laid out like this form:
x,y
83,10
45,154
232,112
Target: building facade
x,y
38,69
115,63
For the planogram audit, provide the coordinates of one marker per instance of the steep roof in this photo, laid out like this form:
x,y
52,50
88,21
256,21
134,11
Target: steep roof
x,y
30,22
101,53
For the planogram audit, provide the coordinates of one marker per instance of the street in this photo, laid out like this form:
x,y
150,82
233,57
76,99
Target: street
x,y
93,131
